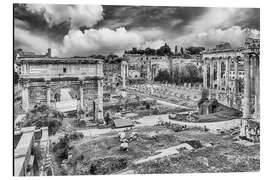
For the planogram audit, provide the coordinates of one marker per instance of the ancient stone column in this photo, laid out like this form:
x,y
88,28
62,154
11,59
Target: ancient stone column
x,y
205,75
211,74
100,101
252,75
236,81
25,97
246,105
236,70
148,72
127,70
227,74
123,74
257,88
48,96
113,78
219,74
81,94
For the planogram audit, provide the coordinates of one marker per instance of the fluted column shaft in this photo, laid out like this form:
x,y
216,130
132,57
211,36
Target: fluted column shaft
x,y
246,105
219,74
257,88
81,94
205,74
227,74
211,74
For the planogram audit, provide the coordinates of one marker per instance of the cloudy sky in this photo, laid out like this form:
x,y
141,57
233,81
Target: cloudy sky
x,y
86,29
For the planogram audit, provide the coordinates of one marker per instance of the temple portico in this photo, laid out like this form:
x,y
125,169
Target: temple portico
x,y
232,76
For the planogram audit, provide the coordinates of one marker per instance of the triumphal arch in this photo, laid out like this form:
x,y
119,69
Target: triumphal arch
x,y
63,83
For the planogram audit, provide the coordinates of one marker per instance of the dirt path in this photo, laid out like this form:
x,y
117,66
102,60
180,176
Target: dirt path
x,y
153,120
212,126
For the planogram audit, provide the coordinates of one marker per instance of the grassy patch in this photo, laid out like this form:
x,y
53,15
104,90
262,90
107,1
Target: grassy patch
x,y
217,157
104,152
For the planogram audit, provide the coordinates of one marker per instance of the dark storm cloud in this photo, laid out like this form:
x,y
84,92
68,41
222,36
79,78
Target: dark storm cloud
x,y
253,21
37,23
166,18
169,19
83,29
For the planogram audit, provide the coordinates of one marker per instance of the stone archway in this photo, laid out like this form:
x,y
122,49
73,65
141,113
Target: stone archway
x,y
65,92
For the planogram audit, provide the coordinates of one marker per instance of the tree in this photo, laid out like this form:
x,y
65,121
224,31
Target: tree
x,y
42,116
163,76
149,51
182,50
186,74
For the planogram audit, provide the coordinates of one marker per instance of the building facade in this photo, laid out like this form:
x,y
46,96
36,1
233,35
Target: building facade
x,y
148,66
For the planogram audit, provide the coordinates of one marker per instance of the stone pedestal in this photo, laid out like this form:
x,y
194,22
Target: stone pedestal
x,y
243,127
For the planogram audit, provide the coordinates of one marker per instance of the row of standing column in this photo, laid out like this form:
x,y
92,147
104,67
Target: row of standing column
x,y
205,74
232,96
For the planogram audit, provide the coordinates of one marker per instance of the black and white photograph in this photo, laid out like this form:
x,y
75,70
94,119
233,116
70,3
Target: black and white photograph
x,y
135,89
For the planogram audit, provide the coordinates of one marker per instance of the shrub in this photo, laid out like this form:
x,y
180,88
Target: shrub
x,y
42,116
76,136
61,149
107,165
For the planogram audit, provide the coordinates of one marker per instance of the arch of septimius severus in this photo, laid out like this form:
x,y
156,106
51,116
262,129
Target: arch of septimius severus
x,y
242,90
